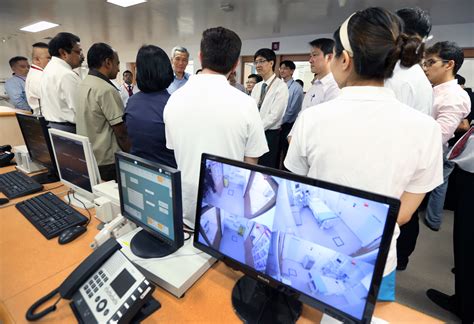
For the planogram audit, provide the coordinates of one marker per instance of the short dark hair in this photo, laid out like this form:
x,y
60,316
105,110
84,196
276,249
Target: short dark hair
x,y
461,79
448,51
220,49
127,71
97,55
377,43
300,82
416,21
289,64
65,41
154,71
40,45
257,77
268,54
16,59
326,45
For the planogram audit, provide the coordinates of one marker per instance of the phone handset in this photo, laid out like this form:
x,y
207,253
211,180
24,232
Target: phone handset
x,y
106,287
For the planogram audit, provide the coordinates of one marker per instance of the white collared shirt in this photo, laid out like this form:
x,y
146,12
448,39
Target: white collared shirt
x,y
385,146
58,91
450,105
321,91
412,87
33,87
123,89
275,102
208,115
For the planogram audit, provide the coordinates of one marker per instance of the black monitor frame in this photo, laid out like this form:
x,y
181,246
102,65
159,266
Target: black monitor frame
x,y
52,174
171,245
394,205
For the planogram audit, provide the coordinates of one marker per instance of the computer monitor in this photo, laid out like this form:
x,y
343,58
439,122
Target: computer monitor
x,y
77,167
35,134
150,196
296,239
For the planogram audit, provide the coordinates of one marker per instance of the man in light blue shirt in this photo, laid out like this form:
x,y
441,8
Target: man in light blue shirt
x,y
179,61
15,86
295,100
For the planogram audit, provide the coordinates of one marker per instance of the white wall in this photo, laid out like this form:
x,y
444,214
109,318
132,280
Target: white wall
x,y
460,33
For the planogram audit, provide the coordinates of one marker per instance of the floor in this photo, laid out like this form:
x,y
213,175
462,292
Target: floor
x,y
429,267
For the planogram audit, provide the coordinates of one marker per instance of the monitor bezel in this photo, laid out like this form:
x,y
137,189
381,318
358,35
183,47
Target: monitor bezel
x,y
44,128
88,155
394,205
175,191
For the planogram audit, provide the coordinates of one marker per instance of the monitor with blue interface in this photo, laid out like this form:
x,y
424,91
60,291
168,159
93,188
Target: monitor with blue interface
x,y
150,196
297,240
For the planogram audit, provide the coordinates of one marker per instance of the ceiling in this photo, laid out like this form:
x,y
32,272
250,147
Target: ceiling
x,y
180,20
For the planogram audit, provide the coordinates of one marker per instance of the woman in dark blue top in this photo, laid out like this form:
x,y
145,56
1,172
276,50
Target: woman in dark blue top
x,y
144,112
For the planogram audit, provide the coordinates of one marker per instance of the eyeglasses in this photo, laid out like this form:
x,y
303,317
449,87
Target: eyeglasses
x,y
77,51
259,62
430,62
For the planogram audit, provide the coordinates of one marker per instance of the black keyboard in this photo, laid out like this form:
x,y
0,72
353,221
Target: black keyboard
x,y
16,184
49,214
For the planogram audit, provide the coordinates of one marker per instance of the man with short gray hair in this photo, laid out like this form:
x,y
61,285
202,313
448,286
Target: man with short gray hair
x,y
179,61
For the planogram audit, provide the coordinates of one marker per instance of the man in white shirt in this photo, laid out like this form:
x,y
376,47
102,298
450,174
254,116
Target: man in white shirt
x,y
179,62
271,96
60,83
412,87
409,82
324,86
127,89
39,59
208,115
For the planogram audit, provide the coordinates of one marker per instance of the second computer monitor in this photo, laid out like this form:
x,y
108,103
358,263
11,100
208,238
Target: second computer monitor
x,y
150,196
35,134
76,165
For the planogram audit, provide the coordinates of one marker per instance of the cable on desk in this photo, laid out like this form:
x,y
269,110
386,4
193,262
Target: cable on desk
x,y
69,203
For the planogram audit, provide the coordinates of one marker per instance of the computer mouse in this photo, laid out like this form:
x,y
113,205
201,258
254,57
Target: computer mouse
x,y
3,201
71,234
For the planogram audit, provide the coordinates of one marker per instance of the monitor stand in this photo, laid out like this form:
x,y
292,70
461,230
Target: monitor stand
x,y
147,246
256,302
45,177
78,201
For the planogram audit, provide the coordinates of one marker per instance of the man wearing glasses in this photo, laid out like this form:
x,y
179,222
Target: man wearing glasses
x,y
60,82
271,96
451,104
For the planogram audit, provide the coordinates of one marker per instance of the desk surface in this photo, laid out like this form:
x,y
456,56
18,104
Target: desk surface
x,y
31,266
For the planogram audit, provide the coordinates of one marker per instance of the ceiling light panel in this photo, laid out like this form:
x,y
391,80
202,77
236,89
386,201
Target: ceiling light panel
x,y
39,26
125,3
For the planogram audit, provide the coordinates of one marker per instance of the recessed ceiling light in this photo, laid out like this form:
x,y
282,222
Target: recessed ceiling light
x,y
126,3
39,26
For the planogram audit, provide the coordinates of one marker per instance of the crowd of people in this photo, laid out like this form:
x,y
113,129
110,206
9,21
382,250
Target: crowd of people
x,y
378,117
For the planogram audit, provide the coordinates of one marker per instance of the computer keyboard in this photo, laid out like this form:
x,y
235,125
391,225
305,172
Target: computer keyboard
x,y
16,184
49,214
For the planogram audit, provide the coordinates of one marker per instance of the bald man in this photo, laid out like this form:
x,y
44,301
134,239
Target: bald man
x,y
39,59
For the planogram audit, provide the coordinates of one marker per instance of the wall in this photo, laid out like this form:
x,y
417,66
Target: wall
x,y
460,33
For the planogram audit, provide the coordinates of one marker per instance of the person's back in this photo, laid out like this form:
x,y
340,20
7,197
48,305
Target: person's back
x,y
412,87
144,112
207,115
409,82
385,146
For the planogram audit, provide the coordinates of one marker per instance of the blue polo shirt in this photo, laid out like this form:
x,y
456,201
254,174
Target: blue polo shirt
x,y
146,129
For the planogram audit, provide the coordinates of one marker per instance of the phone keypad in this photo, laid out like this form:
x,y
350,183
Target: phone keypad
x,y
93,285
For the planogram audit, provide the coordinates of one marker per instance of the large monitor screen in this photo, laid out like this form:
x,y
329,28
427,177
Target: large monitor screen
x,y
36,138
150,196
323,243
72,162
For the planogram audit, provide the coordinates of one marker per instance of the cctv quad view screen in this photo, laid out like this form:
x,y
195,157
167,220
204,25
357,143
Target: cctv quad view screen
x,y
323,243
